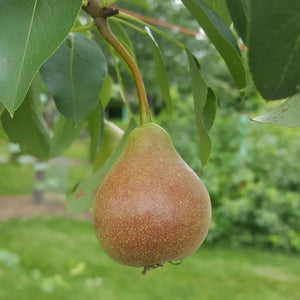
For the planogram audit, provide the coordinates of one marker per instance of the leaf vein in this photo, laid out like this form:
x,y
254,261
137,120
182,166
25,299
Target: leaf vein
x,y
25,49
72,78
288,63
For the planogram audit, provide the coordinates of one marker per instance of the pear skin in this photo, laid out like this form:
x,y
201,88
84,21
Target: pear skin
x,y
151,207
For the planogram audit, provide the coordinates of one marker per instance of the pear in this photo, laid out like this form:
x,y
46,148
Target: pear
x,y
112,135
151,207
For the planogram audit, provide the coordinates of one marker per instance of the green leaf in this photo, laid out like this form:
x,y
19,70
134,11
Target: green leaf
x,y
83,197
160,73
123,37
219,6
238,13
28,128
200,93
220,35
65,132
120,82
30,31
106,90
287,114
210,109
104,3
96,124
2,108
141,3
75,75
274,47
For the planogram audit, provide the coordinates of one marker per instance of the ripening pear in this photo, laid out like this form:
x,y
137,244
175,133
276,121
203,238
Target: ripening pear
x,y
151,207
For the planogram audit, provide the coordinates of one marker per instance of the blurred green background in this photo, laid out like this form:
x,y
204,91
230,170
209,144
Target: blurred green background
x,y
252,250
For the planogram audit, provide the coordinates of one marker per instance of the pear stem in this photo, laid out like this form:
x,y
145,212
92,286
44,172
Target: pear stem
x,y
103,27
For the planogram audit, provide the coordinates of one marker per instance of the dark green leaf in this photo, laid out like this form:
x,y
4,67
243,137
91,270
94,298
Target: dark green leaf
x,y
287,114
65,132
1,108
274,47
219,6
30,31
106,90
123,37
28,128
120,82
238,13
210,109
83,197
200,92
74,76
160,73
96,124
220,35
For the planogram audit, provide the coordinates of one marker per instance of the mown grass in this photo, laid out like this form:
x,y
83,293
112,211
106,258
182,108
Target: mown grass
x,y
58,258
16,179
78,150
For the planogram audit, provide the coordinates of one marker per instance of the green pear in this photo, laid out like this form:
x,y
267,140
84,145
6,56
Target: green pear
x,y
151,207
112,135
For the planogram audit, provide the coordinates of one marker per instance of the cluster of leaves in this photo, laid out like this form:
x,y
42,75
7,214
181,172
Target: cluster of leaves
x,y
253,178
53,48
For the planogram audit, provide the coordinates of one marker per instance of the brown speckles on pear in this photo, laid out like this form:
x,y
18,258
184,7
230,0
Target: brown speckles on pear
x,y
151,207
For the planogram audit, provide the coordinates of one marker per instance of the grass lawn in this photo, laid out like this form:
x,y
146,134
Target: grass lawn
x,y
16,179
57,258
78,150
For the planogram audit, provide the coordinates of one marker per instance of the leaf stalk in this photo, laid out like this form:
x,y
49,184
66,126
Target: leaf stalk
x,y
100,16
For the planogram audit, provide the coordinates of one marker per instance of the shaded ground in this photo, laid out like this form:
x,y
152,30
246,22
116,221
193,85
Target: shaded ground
x,y
23,206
